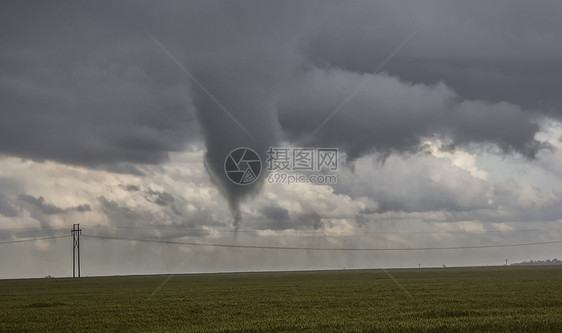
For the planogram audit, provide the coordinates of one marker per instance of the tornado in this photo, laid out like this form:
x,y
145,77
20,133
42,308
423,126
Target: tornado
x,y
239,114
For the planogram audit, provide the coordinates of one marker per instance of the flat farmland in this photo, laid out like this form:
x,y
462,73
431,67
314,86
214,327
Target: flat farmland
x,y
514,299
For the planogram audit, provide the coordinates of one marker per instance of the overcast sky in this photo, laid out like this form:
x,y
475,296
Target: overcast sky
x,y
119,115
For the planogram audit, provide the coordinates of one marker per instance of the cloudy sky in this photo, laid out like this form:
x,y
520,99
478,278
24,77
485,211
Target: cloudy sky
x,y
119,115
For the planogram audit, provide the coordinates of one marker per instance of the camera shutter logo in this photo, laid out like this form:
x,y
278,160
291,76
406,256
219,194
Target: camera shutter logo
x,y
242,166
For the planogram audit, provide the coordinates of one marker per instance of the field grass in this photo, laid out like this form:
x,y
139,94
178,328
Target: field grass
x,y
515,299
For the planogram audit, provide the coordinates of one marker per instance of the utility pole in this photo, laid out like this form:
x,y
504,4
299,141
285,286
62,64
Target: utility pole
x,y
76,231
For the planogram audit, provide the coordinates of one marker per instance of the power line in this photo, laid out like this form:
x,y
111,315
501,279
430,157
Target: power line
x,y
33,228
290,231
325,232
32,239
321,248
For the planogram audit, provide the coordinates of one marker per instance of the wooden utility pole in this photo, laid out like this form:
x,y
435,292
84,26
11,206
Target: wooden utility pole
x,y
76,231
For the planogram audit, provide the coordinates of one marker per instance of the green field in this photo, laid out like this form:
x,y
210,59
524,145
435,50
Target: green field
x,y
454,299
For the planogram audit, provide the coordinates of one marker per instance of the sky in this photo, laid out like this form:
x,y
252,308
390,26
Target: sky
x,y
119,115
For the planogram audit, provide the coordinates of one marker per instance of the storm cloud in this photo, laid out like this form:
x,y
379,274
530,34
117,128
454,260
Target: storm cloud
x,y
91,88
121,115
389,115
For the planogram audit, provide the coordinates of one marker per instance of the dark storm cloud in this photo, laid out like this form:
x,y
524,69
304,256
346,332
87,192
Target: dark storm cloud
x,y
393,116
496,51
85,84
91,87
79,85
244,75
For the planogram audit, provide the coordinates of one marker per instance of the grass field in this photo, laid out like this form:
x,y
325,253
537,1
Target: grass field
x,y
516,299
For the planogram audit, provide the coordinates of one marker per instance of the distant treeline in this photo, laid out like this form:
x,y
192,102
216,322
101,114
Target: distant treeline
x,y
539,262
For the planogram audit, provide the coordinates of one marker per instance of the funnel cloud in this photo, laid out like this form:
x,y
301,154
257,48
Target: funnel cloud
x,y
121,114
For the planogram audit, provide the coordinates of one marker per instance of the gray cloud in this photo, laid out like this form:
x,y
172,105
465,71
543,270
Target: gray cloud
x,y
279,219
83,89
8,202
159,198
82,208
40,206
89,87
162,198
275,213
7,208
130,188
117,214
476,47
143,222
389,115
418,183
